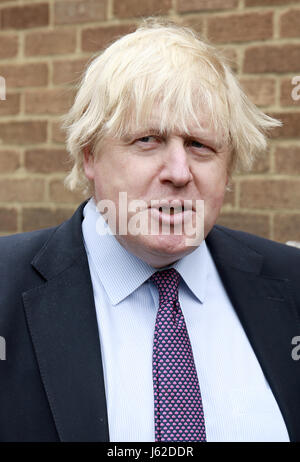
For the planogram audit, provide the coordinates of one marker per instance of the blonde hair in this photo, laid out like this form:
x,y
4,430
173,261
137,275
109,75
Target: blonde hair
x,y
167,65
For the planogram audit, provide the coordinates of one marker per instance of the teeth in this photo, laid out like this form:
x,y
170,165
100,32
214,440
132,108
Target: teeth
x,y
171,210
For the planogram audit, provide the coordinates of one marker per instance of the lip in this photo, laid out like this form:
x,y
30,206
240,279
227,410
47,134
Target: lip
x,y
185,204
176,219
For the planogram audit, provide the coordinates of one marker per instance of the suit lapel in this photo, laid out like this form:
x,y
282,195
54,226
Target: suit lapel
x,y
62,321
268,315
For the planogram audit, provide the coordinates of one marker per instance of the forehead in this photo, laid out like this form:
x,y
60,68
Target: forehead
x,y
201,128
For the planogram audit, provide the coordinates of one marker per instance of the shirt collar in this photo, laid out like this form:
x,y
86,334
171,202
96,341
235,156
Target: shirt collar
x,y
121,272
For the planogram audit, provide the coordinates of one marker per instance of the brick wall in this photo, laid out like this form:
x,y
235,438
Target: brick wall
x,y
44,46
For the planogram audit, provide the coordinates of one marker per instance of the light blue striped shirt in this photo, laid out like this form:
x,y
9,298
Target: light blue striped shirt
x,y
237,400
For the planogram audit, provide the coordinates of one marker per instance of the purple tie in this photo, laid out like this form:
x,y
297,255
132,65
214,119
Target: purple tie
x,y
178,411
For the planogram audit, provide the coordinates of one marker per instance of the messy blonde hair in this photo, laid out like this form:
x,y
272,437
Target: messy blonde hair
x,y
167,65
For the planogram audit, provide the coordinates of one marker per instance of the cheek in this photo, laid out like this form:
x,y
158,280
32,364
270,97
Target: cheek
x,y
211,185
211,188
136,177
217,201
217,196
104,189
132,177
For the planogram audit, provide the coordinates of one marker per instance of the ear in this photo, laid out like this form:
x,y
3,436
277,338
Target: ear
x,y
88,163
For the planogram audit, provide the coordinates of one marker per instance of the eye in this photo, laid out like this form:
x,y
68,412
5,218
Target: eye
x,y
197,144
147,139
147,142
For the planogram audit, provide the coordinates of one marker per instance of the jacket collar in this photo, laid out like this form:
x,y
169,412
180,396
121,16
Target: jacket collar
x,y
63,248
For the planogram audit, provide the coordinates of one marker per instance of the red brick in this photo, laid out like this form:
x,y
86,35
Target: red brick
x,y
250,223
68,72
11,105
8,219
260,91
8,46
22,190
268,2
291,125
58,193
240,27
231,58
25,75
184,6
95,39
287,227
270,194
287,159
194,22
46,160
38,218
261,164
287,91
272,58
24,17
53,101
290,24
58,135
50,43
9,160
23,132
135,8
79,11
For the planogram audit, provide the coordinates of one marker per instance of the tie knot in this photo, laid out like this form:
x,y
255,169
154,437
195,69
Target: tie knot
x,y
167,282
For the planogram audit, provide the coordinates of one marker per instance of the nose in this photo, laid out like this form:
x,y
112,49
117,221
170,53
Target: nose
x,y
175,169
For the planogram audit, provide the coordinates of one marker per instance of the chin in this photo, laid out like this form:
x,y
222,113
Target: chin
x,y
168,245
157,251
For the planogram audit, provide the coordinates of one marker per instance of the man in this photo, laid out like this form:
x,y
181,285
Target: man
x,y
117,333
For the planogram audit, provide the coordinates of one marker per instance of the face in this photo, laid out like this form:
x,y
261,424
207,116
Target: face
x,y
172,167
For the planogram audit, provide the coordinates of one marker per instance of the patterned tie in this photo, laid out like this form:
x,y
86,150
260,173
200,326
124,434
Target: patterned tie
x,y
178,410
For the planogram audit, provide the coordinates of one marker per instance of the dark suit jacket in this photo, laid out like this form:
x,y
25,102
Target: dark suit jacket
x,y
51,383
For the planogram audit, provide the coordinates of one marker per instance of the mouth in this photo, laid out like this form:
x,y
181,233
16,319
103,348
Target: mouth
x,y
172,206
172,212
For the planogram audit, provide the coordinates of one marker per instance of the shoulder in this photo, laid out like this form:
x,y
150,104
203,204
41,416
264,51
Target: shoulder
x,y
256,242
277,256
18,250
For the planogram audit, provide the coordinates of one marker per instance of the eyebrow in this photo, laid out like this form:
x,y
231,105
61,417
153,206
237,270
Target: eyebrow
x,y
201,136
140,133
